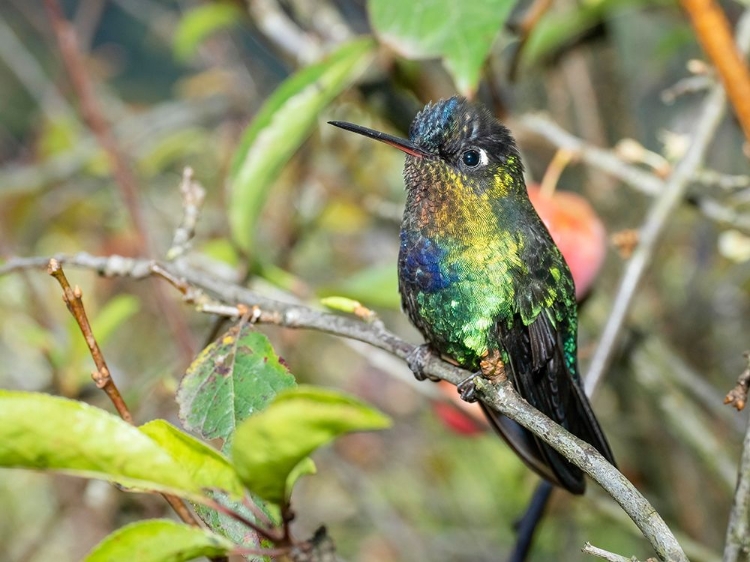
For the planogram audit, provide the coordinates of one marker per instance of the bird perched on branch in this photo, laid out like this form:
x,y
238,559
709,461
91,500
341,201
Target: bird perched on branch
x,y
482,280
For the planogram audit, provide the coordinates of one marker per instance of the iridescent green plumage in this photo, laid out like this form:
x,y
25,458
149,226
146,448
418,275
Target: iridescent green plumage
x,y
480,276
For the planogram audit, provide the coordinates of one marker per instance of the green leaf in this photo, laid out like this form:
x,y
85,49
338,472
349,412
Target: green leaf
x,y
159,540
280,127
461,33
270,445
559,29
45,432
207,467
200,22
228,526
231,379
374,286
342,304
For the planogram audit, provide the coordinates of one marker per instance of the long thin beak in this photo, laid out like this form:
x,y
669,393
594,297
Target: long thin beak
x,y
402,144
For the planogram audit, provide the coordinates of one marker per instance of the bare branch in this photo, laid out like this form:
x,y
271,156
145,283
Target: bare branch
x,y
715,36
502,397
737,397
193,196
738,531
589,548
605,160
73,298
662,209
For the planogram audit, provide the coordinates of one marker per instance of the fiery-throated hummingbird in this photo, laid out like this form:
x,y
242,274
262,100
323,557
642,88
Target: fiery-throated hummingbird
x,y
481,278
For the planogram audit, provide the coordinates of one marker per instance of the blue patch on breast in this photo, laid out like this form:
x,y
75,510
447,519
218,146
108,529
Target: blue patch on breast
x,y
422,264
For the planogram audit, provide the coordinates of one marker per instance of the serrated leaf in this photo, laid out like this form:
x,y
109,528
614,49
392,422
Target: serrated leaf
x,y
207,467
228,526
270,445
280,127
461,33
200,22
159,540
45,432
231,379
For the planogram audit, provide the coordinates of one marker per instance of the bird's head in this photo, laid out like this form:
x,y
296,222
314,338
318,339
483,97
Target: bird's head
x,y
455,142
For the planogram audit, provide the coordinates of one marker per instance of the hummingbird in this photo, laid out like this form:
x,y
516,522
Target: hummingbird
x,y
481,278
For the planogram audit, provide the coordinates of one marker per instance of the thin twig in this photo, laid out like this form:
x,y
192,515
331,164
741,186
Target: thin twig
x,y
605,160
266,533
651,231
715,36
124,178
193,196
501,397
73,297
283,31
738,531
674,188
92,114
737,397
102,378
589,548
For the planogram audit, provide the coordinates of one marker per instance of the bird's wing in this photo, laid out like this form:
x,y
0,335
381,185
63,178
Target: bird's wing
x,y
539,372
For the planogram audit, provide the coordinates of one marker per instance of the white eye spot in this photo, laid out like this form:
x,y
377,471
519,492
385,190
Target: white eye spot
x,y
483,158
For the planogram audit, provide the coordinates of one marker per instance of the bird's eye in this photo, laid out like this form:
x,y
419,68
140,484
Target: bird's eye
x,y
473,158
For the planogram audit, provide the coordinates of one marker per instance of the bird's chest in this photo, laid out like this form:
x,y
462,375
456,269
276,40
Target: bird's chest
x,y
454,290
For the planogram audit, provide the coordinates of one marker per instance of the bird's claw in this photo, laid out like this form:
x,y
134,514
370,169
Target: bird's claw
x,y
467,390
417,360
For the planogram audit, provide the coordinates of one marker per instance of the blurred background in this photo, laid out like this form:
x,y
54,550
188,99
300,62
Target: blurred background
x,y
177,82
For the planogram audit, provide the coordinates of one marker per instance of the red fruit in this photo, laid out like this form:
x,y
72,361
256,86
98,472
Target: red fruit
x,y
456,418
577,230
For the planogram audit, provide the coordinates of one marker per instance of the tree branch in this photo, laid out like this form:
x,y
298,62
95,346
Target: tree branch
x,y
715,36
651,231
501,397
738,530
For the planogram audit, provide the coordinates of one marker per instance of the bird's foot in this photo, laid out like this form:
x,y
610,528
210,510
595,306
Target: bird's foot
x,y
467,390
417,360
491,367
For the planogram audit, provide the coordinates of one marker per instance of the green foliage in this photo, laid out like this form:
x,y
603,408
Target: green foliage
x,y
342,304
159,540
231,379
461,33
269,446
45,432
200,22
278,129
374,286
207,467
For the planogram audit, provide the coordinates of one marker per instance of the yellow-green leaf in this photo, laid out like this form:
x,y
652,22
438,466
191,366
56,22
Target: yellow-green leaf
x,y
207,467
200,22
270,445
49,433
281,125
159,540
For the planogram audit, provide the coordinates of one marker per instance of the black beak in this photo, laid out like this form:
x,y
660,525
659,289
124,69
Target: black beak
x,y
402,144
